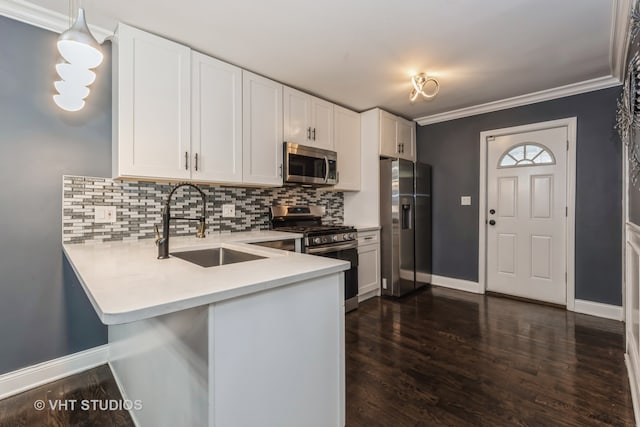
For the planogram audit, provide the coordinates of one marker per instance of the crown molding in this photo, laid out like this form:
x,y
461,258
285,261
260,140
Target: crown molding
x,y
620,21
518,101
38,16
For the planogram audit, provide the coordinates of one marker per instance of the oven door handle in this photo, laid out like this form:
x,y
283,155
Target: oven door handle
x,y
334,248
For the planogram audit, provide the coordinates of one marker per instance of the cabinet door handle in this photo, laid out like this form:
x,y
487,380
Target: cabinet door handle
x,y
196,162
368,238
186,160
280,170
314,134
308,133
338,177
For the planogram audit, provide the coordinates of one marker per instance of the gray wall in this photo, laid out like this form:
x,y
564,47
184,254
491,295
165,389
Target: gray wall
x,y
44,313
453,149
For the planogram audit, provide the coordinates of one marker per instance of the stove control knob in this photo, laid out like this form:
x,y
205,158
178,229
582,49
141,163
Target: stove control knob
x,y
317,241
334,238
345,236
352,236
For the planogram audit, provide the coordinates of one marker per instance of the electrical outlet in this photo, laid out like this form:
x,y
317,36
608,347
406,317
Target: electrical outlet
x,y
228,211
104,214
465,200
384,283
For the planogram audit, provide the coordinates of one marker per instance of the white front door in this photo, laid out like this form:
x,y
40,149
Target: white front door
x,y
526,214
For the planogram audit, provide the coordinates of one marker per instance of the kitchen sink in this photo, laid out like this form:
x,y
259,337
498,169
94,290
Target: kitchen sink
x,y
215,256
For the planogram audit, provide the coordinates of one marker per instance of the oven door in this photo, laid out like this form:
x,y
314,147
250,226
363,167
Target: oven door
x,y
308,165
344,252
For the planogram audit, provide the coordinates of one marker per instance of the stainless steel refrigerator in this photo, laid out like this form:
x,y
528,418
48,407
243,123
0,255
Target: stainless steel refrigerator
x,y
405,217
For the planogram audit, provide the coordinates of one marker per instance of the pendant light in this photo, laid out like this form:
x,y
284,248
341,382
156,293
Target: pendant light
x,y
80,52
75,74
78,46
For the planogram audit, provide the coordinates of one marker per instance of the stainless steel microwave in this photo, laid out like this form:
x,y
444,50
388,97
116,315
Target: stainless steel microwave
x,y
309,165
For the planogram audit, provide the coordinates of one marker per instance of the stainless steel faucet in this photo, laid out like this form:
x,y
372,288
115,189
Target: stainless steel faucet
x,y
163,242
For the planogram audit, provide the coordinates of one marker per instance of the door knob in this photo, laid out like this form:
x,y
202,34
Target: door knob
x,y
492,222
492,211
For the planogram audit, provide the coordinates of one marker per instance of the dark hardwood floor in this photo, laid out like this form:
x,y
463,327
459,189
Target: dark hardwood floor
x,y
435,358
446,358
95,384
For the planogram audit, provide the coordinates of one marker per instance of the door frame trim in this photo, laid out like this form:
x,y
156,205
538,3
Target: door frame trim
x,y
571,124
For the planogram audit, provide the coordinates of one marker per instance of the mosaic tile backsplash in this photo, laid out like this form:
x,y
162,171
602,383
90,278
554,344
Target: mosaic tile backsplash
x,y
139,207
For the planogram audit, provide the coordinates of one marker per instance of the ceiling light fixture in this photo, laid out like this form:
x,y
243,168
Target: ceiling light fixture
x,y
422,84
80,52
78,46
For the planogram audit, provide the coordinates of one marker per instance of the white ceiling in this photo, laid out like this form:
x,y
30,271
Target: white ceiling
x,y
361,53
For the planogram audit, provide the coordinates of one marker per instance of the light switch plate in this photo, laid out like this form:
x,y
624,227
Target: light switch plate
x,y
104,214
228,211
465,200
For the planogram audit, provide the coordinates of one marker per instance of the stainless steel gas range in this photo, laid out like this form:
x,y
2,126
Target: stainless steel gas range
x,y
333,241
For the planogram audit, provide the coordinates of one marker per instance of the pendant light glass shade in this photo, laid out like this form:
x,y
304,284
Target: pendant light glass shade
x,y
72,90
78,46
78,75
68,103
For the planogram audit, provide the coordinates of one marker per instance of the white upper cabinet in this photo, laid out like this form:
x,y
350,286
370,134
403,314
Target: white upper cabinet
x,y
297,113
347,144
406,139
151,106
397,137
388,130
262,130
322,122
307,120
216,120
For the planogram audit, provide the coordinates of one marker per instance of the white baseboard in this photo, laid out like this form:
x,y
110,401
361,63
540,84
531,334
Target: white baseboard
x,y
368,294
597,309
27,378
423,277
459,284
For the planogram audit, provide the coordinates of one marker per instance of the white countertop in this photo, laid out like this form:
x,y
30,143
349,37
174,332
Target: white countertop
x,y
125,282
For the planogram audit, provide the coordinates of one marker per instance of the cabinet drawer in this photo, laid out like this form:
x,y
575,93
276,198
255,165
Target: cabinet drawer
x,y
368,237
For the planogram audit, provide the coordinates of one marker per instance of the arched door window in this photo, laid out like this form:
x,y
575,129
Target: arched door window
x,y
527,154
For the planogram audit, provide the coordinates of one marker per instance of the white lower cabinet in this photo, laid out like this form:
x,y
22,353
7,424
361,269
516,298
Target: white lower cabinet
x,y
368,264
272,358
